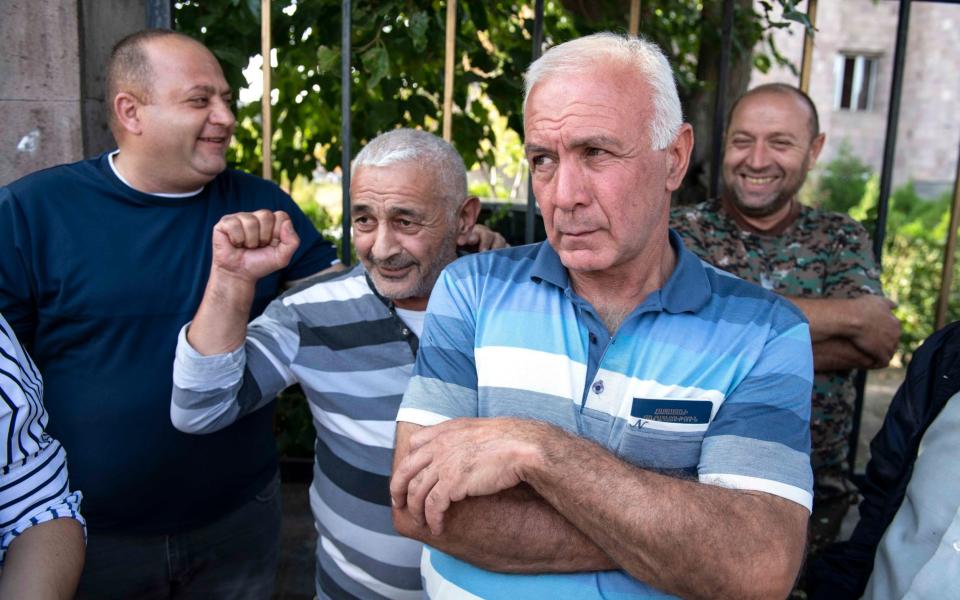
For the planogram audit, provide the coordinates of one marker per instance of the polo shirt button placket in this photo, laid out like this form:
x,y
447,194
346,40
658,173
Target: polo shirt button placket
x,y
598,387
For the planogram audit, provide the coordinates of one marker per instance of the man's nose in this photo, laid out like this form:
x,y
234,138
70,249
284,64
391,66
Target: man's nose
x,y
570,190
385,244
757,159
222,114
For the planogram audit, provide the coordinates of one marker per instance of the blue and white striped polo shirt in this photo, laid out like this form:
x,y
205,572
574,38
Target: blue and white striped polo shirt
x,y
709,376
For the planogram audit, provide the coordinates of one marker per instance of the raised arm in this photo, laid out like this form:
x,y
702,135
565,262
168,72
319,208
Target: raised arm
x,y
684,537
212,388
513,531
246,247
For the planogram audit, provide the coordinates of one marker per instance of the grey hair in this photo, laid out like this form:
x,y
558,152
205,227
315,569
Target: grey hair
x,y
586,53
420,147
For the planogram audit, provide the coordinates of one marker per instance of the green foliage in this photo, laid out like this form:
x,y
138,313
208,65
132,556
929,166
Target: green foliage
x,y
398,58
843,182
913,249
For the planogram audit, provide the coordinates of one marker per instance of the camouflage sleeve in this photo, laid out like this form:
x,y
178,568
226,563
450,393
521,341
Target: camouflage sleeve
x,y
852,270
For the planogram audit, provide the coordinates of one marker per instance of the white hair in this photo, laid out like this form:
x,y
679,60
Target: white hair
x,y
422,148
646,58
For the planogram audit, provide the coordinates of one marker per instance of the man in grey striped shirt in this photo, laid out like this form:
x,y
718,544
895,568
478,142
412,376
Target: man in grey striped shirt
x,y
349,339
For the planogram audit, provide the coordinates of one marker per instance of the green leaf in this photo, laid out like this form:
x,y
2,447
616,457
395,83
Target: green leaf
x,y
376,63
328,59
254,7
419,22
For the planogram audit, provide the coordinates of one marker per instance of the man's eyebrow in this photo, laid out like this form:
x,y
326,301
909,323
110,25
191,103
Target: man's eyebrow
x,y
592,141
536,149
207,89
402,211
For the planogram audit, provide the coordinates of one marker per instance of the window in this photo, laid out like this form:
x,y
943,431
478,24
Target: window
x,y
856,78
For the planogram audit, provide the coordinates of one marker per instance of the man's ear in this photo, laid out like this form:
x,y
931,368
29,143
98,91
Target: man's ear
x,y
467,218
126,111
678,155
816,146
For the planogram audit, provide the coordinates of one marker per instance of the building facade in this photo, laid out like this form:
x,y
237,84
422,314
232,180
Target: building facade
x,y
850,81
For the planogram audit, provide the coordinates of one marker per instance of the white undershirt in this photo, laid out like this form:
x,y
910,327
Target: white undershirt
x,y
113,167
413,318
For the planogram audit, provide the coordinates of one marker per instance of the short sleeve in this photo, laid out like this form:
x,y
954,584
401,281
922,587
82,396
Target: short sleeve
x,y
444,382
760,437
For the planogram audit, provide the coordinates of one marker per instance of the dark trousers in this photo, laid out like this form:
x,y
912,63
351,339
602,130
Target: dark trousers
x,y
234,557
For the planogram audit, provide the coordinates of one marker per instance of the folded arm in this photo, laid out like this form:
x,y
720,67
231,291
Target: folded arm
x,y
667,532
851,333
526,535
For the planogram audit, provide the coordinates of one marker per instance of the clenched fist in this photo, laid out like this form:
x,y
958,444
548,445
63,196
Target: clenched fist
x,y
250,246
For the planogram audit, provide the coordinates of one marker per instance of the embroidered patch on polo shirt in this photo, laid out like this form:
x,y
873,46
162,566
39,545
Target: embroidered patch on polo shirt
x,y
687,412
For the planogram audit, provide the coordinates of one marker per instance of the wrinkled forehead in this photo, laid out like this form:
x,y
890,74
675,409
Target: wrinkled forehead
x,y
407,186
605,101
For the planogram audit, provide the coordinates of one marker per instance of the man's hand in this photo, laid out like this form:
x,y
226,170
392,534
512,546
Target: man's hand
x,y
481,238
880,331
246,248
250,246
460,458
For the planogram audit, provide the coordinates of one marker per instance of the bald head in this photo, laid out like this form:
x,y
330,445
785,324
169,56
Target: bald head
x,y
804,103
129,69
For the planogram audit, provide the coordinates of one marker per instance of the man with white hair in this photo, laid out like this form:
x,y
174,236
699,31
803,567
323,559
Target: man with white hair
x,y
348,338
603,414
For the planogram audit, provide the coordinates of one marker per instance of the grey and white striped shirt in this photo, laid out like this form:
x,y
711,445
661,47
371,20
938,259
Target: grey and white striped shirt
x,y
353,356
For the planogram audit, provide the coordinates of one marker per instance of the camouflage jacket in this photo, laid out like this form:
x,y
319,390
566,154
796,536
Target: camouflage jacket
x,y
819,255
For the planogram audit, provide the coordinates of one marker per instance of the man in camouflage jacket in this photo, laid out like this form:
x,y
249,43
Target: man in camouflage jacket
x,y
820,260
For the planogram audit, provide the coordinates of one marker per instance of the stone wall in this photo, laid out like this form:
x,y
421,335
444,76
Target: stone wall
x,y
929,128
51,79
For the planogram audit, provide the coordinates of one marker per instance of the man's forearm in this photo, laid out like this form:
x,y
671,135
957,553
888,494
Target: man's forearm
x,y
837,354
687,538
220,324
513,531
829,317
44,562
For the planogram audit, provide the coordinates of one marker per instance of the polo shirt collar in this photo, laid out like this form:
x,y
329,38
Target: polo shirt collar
x,y
687,289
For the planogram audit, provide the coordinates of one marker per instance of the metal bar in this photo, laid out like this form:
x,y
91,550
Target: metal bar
x,y
345,81
266,117
808,47
720,106
886,181
451,35
946,277
893,118
160,14
634,17
531,214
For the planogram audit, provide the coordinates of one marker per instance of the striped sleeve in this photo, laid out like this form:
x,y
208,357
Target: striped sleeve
x,y
34,486
760,437
212,392
444,382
